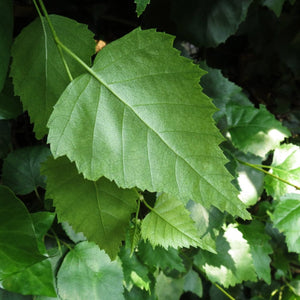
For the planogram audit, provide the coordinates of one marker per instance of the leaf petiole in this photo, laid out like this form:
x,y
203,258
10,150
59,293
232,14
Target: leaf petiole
x,y
258,167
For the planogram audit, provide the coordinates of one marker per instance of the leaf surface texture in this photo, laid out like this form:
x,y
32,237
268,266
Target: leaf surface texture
x,y
142,120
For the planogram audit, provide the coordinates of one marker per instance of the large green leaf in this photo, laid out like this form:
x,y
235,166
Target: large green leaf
x,y
169,224
21,169
233,262
286,165
254,130
36,279
6,33
18,243
38,72
259,248
286,218
88,273
142,120
100,210
208,23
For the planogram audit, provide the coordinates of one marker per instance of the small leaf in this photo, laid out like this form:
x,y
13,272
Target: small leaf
x,y
38,72
259,248
74,236
169,224
141,6
117,123
193,283
254,130
100,210
159,257
88,273
21,169
18,247
286,165
286,219
275,6
6,34
233,262
168,287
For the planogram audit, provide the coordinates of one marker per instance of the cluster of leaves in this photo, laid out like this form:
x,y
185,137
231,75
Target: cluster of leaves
x,y
130,190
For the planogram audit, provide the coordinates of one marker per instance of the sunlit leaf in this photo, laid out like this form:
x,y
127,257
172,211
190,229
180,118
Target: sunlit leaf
x,y
38,72
88,273
100,210
286,165
117,123
233,262
286,219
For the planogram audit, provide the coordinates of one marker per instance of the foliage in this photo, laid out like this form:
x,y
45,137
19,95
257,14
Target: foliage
x,y
136,181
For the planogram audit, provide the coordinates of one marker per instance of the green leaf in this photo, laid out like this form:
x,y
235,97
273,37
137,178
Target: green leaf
x,y
233,262
254,130
168,287
88,273
193,283
141,6
21,169
208,222
158,257
5,295
18,246
222,91
100,210
169,224
10,106
259,248
38,72
133,268
36,279
6,34
116,123
286,219
295,286
208,23
274,5
286,165
138,294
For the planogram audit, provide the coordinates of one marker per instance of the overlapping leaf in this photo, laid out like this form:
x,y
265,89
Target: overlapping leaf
x,y
193,283
88,273
18,243
259,248
233,262
6,32
100,210
286,165
142,120
208,23
38,72
169,224
21,169
254,130
274,5
36,279
168,287
286,218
